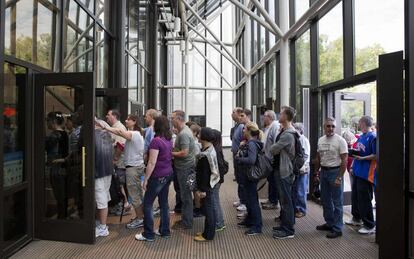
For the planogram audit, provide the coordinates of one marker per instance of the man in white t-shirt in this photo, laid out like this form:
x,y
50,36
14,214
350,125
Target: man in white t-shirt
x,y
332,157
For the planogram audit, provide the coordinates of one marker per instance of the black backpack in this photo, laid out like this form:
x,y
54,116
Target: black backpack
x,y
223,165
300,157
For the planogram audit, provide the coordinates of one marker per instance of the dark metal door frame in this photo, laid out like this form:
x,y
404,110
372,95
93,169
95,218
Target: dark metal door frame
x,y
391,208
81,231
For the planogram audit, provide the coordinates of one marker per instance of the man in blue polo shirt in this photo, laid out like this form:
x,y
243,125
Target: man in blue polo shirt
x,y
364,172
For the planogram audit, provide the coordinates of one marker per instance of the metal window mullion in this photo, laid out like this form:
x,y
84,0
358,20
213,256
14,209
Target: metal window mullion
x,y
314,55
348,38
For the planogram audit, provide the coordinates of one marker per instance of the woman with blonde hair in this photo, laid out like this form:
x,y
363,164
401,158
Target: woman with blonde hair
x,y
246,158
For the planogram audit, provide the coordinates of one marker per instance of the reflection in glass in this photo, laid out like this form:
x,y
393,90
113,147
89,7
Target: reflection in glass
x,y
78,50
15,216
213,109
14,124
63,152
89,4
302,48
331,46
102,57
372,17
30,32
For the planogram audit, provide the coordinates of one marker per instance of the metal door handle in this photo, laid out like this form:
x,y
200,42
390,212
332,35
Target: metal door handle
x,y
83,166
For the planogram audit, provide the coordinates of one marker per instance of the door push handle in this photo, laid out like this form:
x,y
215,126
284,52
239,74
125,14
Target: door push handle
x,y
83,166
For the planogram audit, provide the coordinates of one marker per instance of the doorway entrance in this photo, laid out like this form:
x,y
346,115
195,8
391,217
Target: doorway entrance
x,y
64,205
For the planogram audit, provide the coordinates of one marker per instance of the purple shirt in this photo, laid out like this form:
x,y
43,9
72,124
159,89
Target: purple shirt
x,y
163,166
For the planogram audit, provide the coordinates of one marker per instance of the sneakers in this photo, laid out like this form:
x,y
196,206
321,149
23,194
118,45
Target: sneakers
x,y
200,238
242,214
299,215
219,229
270,206
354,222
367,231
252,232
135,223
179,225
324,227
101,231
158,234
156,212
333,234
280,234
242,225
141,237
236,204
242,207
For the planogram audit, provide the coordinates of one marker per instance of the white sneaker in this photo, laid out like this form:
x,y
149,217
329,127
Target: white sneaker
x,y
236,203
101,231
241,214
242,207
140,237
354,222
135,223
367,231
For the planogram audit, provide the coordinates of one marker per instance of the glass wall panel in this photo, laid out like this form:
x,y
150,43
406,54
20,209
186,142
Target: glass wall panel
x,y
379,28
196,66
14,125
227,71
262,41
132,79
196,106
271,76
142,30
254,46
78,50
31,32
227,25
89,4
213,109
303,76
301,6
213,78
226,113
331,64
102,48
271,11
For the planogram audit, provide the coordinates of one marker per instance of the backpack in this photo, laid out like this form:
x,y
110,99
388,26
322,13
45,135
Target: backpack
x,y
223,165
300,157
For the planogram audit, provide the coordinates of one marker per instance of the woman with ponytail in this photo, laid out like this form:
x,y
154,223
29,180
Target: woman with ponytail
x,y
246,158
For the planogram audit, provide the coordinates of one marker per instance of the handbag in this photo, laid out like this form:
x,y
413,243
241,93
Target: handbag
x,y
261,169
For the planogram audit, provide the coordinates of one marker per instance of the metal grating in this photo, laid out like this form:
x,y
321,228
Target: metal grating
x,y
231,243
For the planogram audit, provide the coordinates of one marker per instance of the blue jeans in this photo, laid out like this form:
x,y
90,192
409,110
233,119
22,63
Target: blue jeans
x,y
157,187
287,212
178,202
362,195
300,187
217,206
254,215
273,192
186,197
210,219
240,181
332,199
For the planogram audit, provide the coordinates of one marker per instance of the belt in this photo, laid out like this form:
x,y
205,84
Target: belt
x,y
330,168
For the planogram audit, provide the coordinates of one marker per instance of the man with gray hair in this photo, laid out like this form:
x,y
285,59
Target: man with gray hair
x,y
331,159
184,163
271,130
300,185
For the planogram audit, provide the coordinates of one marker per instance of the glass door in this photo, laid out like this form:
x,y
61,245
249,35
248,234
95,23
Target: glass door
x,y
64,205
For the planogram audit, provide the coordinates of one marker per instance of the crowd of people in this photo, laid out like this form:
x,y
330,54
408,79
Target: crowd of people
x,y
146,161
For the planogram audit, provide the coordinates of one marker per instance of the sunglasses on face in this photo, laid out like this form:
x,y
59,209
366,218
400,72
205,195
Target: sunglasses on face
x,y
330,126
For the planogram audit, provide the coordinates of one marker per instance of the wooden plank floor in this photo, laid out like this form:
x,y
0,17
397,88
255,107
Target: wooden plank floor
x,y
231,243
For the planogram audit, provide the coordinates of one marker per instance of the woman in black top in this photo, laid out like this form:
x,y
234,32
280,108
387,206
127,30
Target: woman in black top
x,y
57,148
207,176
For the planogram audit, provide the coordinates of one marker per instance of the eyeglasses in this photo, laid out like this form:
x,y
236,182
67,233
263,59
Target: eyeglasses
x,y
330,126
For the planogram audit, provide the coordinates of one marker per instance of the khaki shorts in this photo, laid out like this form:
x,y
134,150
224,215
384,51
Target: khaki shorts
x,y
134,184
102,195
